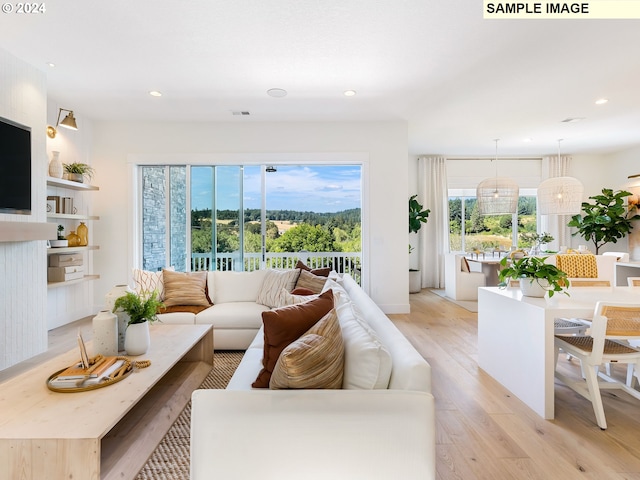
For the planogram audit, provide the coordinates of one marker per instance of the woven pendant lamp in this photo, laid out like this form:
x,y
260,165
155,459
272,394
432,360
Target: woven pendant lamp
x,y
560,195
497,195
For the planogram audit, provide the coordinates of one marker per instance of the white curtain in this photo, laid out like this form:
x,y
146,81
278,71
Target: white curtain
x,y
434,236
556,225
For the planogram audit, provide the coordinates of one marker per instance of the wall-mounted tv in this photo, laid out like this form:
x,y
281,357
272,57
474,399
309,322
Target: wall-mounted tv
x,y
15,168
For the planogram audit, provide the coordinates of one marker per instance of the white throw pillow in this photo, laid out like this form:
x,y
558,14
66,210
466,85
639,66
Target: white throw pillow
x,y
229,286
274,282
146,281
367,362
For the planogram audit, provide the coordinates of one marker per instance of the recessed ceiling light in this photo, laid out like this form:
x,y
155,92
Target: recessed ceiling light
x,y
527,140
602,101
572,119
155,93
277,92
349,93
51,64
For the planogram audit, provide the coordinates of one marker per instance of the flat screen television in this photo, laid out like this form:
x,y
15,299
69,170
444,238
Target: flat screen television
x,y
15,168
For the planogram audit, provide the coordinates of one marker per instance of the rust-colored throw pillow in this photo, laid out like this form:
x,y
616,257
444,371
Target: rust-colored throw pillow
x,y
285,325
310,281
181,288
195,309
302,291
315,360
321,272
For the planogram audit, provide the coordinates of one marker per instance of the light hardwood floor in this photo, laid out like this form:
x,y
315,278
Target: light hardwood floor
x,y
482,432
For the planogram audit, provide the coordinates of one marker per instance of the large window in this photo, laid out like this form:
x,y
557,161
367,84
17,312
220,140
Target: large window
x,y
468,230
230,217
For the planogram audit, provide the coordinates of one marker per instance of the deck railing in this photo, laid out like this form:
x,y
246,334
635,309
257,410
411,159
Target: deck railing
x,y
341,262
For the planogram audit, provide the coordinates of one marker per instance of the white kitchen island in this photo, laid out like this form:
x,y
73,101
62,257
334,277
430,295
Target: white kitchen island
x,y
515,336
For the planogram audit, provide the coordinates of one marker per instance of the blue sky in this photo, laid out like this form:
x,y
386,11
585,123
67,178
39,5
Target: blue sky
x,y
325,188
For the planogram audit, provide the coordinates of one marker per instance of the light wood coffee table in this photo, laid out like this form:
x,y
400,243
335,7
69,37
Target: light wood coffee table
x,y
107,433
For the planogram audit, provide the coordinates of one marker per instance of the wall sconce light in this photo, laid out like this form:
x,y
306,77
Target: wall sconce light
x,y
69,121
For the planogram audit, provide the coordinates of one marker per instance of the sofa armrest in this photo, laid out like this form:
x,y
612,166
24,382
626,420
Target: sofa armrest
x,y
312,434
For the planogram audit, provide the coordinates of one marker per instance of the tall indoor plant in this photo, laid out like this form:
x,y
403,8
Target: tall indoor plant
x,y
418,216
605,220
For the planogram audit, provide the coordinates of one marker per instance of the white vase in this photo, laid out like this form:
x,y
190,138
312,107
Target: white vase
x,y
55,165
123,317
535,288
105,334
137,340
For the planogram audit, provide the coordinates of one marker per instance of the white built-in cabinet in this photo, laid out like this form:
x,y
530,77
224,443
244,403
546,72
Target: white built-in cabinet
x,y
76,190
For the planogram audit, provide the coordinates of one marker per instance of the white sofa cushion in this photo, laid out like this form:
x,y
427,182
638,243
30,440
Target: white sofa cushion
x,y
367,363
274,282
146,281
236,315
235,286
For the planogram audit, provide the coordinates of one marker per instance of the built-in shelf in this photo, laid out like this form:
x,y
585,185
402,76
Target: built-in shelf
x,y
86,278
26,231
71,249
59,182
72,216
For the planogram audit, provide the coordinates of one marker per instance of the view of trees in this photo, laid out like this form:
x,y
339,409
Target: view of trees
x,y
310,231
484,232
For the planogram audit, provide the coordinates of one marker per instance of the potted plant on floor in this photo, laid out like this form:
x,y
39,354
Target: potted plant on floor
x,y
605,220
535,276
142,310
77,171
417,217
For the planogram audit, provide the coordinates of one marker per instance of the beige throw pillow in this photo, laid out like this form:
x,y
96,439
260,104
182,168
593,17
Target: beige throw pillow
x,y
310,281
315,360
272,285
182,288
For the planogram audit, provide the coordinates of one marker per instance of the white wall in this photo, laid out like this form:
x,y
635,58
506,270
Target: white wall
x,y
23,275
384,206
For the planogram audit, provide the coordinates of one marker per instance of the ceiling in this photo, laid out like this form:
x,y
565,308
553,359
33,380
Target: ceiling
x,y
458,81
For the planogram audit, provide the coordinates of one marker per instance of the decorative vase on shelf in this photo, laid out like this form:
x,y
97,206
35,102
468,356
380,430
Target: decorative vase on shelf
x,y
73,239
105,334
137,339
83,235
123,317
55,165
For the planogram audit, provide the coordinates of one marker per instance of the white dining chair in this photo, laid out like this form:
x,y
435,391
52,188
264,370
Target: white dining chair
x,y
613,324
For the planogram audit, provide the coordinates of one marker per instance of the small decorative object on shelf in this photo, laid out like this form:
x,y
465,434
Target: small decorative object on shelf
x,y
83,234
55,165
105,333
76,172
73,239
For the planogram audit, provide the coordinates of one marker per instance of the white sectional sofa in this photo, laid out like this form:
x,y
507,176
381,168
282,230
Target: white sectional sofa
x,y
380,425
235,314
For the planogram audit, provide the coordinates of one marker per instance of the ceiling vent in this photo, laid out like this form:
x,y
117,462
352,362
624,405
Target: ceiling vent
x,y
241,112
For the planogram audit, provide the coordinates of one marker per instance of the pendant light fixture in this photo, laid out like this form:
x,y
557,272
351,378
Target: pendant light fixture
x,y
560,195
497,195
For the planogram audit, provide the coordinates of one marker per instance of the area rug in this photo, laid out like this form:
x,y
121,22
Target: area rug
x,y
466,304
170,460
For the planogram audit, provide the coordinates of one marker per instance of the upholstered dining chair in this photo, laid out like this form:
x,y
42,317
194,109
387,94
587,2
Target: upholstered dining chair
x,y
620,256
613,324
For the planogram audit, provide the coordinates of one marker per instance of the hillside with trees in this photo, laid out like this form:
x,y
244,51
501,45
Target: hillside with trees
x,y
310,231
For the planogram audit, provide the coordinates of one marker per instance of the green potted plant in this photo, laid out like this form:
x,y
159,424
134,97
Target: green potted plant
x,y
142,310
536,277
60,241
536,240
77,171
605,220
417,217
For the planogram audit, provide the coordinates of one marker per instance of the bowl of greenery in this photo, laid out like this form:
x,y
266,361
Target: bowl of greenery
x,y
535,276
